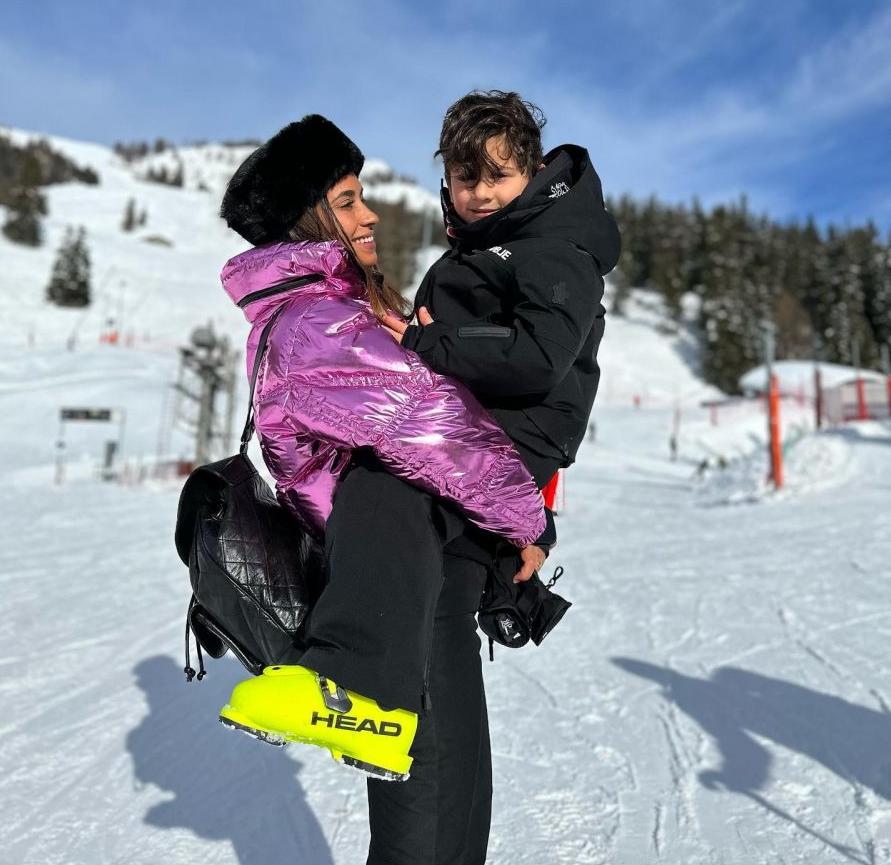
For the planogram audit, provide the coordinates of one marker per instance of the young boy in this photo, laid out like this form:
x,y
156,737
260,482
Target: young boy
x,y
514,311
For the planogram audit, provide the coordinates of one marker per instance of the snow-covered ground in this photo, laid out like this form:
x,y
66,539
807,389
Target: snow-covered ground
x,y
717,694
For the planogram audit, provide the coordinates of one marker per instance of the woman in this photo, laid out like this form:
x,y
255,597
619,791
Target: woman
x,y
359,435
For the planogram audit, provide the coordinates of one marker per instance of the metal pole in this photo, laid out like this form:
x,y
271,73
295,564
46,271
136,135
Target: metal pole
x,y
122,425
886,368
230,367
205,412
862,412
818,381
775,453
60,453
818,396
162,424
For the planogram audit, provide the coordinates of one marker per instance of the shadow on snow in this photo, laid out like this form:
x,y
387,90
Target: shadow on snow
x,y
225,785
733,706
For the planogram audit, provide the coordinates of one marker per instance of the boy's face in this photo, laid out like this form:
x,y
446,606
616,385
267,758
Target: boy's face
x,y
476,198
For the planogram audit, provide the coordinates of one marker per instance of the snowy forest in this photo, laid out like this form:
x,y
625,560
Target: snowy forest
x,y
828,293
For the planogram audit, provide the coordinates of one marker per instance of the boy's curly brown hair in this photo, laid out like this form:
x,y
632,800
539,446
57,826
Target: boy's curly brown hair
x,y
475,118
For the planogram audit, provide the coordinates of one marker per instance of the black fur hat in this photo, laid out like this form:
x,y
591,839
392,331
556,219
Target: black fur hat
x,y
286,176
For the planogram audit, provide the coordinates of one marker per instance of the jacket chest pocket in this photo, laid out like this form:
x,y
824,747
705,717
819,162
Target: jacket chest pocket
x,y
484,332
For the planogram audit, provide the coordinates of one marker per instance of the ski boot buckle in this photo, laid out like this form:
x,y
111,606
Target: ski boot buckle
x,y
336,701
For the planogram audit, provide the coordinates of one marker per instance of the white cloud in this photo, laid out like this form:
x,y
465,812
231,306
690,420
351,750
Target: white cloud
x,y
731,140
717,142
851,73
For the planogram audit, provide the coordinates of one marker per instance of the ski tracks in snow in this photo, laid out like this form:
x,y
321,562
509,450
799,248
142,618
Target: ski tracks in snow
x,y
717,695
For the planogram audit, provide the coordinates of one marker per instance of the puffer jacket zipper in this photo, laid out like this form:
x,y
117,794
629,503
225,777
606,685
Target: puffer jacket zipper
x,y
294,282
425,687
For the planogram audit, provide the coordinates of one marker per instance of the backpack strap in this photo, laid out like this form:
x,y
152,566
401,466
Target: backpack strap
x,y
287,285
248,430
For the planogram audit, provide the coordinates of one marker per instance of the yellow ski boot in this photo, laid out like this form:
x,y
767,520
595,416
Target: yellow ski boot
x,y
294,704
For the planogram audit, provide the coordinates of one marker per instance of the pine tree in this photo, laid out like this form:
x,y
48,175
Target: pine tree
x,y
81,254
877,296
69,283
128,223
671,248
31,173
60,276
25,202
624,212
23,219
866,269
733,299
695,263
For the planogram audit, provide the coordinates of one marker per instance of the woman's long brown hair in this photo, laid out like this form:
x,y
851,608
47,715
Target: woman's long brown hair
x,y
320,224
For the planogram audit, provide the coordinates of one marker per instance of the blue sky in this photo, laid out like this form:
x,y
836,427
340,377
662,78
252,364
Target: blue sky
x,y
786,101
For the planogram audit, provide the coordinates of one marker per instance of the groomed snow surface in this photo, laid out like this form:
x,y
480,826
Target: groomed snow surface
x,y
717,694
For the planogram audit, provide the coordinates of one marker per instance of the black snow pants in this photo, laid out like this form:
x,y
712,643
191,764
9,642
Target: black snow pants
x,y
441,815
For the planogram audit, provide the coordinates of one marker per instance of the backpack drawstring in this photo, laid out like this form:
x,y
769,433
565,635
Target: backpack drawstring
x,y
201,671
188,670
190,673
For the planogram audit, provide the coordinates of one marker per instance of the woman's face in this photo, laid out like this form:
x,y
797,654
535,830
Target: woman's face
x,y
355,218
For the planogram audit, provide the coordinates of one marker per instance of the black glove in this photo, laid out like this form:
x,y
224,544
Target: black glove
x,y
511,613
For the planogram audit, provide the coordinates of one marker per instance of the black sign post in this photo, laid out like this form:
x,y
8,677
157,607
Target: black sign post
x,y
101,414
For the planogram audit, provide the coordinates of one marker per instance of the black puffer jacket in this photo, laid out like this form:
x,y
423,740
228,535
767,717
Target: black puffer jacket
x,y
517,308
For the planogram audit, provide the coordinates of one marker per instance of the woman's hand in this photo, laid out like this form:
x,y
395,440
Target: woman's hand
x,y
396,326
533,558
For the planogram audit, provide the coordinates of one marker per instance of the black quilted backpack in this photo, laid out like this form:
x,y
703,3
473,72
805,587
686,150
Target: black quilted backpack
x,y
255,571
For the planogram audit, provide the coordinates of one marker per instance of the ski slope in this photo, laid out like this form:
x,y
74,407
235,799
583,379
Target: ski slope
x,y
159,281
717,694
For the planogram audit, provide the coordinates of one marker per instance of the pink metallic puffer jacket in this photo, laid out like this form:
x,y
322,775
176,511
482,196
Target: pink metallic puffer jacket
x,y
333,379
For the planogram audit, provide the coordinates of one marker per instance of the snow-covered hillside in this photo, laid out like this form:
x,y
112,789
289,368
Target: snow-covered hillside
x,y
717,695
154,292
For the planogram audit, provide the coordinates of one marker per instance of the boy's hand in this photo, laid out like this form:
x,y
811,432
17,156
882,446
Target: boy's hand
x,y
394,327
397,327
533,558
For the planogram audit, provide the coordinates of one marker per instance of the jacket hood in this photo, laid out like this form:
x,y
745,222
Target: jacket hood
x,y
564,200
265,267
